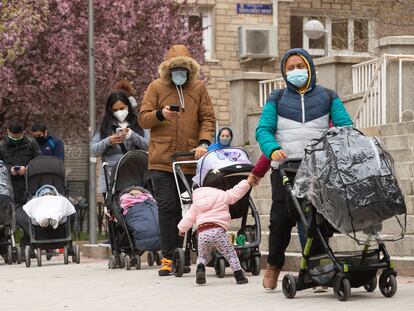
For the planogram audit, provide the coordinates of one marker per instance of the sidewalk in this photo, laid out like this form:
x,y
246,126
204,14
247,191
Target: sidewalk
x,y
92,286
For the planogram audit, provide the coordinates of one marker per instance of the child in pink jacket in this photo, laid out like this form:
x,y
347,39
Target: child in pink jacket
x,y
210,212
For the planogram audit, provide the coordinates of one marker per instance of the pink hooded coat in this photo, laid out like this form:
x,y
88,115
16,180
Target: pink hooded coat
x,y
211,205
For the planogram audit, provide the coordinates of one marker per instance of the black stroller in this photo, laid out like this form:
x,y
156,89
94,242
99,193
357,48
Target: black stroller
x,y
131,170
48,170
354,208
8,249
235,164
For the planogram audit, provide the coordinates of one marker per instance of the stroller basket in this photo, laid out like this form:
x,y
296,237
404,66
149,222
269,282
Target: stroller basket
x,y
322,268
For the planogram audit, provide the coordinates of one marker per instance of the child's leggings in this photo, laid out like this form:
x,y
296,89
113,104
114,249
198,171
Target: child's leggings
x,y
216,238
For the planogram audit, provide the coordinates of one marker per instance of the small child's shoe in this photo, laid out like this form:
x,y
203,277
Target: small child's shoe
x,y
201,274
240,278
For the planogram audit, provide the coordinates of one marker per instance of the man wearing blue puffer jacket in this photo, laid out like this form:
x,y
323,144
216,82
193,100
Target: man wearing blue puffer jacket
x,y
291,118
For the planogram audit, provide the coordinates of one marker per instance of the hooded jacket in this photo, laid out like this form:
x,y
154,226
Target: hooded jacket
x,y
298,117
196,122
211,205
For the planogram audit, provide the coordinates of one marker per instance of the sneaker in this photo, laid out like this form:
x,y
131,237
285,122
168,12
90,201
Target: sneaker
x,y
201,274
270,277
320,289
166,267
240,278
187,269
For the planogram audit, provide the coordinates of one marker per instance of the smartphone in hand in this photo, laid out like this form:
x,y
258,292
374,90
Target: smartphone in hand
x,y
175,108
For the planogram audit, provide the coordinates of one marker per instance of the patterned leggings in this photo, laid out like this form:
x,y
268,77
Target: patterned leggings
x,y
216,238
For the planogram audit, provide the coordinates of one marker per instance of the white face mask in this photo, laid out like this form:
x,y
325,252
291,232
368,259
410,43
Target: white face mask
x,y
121,115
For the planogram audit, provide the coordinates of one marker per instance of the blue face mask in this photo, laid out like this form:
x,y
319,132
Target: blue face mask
x,y
298,77
179,77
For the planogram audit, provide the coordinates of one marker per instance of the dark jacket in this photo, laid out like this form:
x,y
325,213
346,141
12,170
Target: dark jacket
x,y
53,147
19,155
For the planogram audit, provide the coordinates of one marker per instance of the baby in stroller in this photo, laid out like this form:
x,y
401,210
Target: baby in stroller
x,y
141,215
210,211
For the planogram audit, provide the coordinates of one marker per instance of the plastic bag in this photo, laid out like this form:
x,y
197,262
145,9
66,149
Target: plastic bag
x,y
350,180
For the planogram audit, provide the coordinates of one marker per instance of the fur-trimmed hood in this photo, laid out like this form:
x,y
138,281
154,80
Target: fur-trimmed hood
x,y
178,56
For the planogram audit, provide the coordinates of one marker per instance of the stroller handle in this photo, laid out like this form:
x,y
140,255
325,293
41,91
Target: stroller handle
x,y
181,154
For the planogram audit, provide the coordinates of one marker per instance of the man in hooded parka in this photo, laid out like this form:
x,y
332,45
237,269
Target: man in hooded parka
x,y
178,110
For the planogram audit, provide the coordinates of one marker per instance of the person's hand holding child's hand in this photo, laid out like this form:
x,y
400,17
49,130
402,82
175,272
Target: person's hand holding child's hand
x,y
253,180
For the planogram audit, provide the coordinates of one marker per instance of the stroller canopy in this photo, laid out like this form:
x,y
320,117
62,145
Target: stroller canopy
x,y
234,159
45,170
349,178
131,170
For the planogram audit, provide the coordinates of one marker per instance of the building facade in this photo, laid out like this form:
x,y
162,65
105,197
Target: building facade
x,y
236,32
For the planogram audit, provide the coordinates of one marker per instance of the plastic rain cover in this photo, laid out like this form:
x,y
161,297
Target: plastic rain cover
x,y
350,180
6,187
6,198
219,158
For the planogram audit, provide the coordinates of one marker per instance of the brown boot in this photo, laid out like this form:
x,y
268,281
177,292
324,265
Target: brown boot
x,y
270,277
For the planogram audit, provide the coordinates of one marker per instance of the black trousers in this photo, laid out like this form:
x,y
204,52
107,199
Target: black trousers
x,y
283,217
169,210
22,220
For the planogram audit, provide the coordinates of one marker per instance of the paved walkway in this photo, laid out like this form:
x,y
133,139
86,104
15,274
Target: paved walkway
x,y
92,286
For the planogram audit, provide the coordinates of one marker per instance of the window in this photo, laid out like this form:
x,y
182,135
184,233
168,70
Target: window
x,y
203,18
345,36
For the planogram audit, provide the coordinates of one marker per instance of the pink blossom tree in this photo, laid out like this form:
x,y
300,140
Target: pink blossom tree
x,y
46,73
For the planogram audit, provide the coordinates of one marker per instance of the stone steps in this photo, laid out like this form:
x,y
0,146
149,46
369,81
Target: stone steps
x,y
390,227
393,129
398,141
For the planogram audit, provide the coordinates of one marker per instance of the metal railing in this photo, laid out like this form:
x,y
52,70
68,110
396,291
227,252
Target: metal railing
x,y
267,86
371,77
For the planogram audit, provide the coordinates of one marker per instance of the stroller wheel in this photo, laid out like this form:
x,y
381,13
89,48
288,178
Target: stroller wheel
x,y
65,255
112,262
127,261
255,265
342,289
138,262
120,263
39,257
158,257
27,253
18,255
76,254
387,284
178,262
371,285
220,267
9,257
289,286
150,258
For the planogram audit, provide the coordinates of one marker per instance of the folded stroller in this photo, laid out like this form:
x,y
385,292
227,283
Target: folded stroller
x,y
8,249
125,231
236,165
41,171
346,183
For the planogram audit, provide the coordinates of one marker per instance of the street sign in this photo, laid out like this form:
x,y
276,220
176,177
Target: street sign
x,y
254,8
